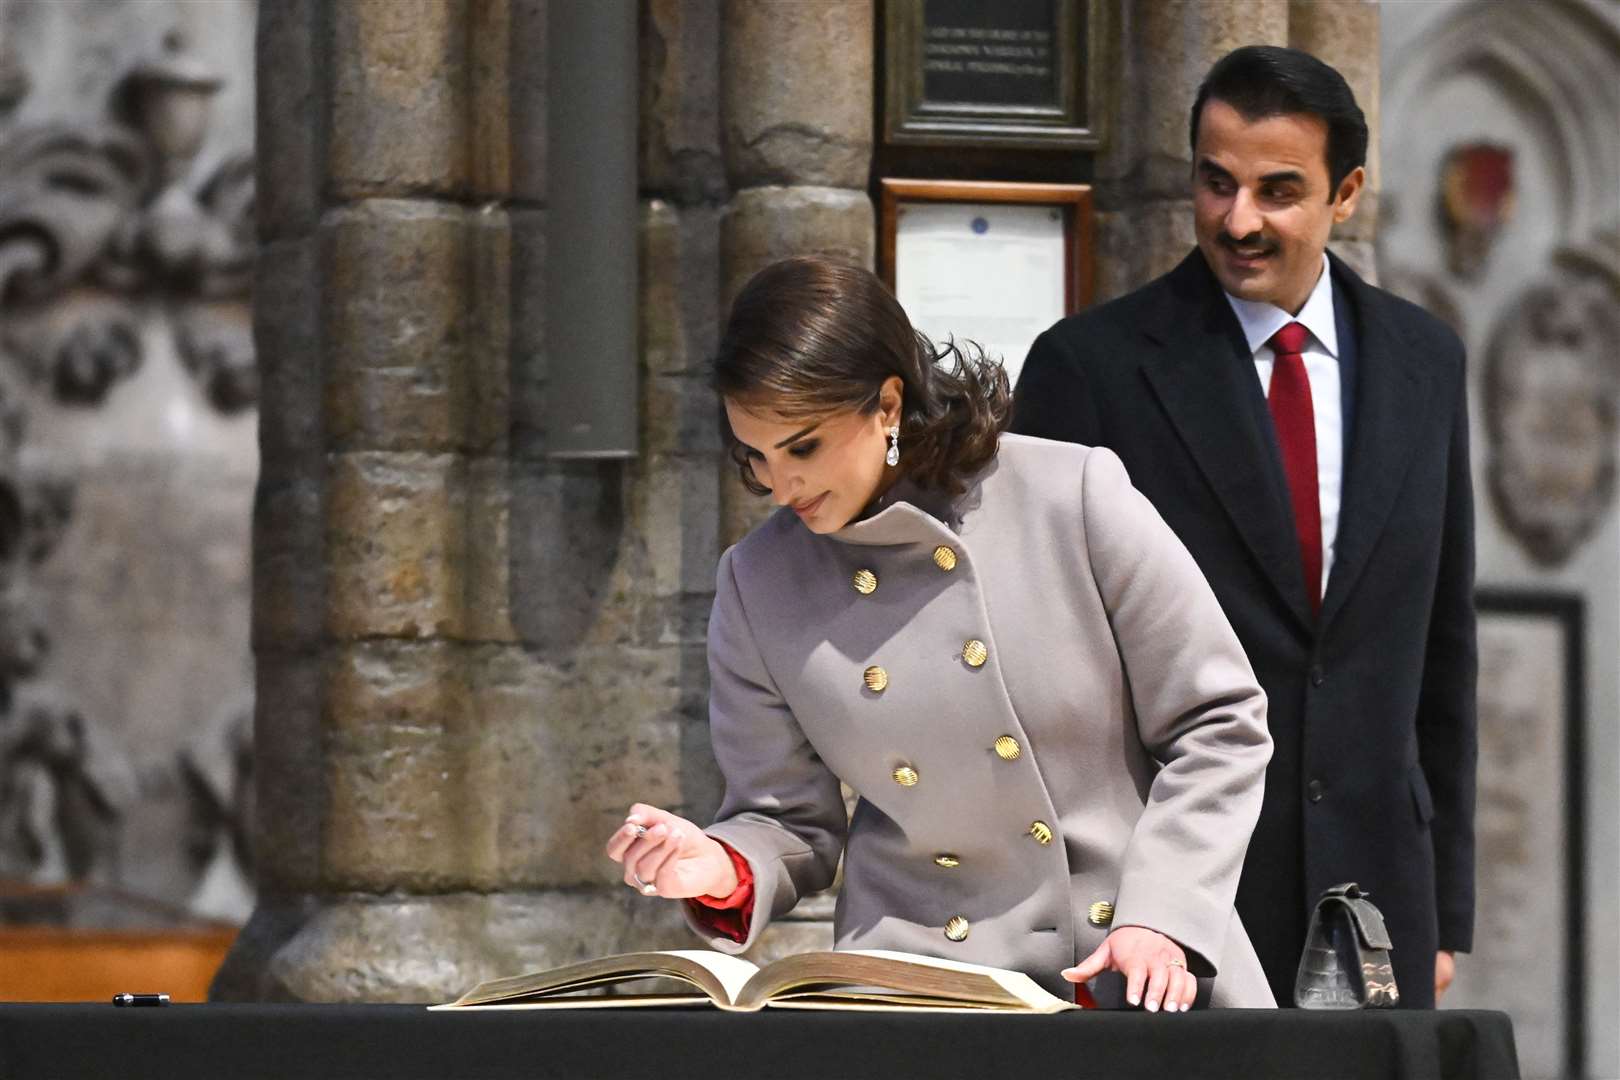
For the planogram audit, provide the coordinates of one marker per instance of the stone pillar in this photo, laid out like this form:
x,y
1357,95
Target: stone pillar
x,y
796,116
470,659
1161,52
796,113
677,482
1345,35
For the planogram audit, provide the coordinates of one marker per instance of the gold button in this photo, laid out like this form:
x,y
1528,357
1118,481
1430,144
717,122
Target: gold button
x,y
906,776
975,653
957,928
865,582
948,861
1007,748
945,558
1041,831
875,678
1101,913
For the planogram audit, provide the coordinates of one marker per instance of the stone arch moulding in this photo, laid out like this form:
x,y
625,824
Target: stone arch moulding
x,y
1558,57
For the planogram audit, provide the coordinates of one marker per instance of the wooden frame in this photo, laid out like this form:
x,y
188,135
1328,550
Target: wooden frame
x,y
1074,199
1071,47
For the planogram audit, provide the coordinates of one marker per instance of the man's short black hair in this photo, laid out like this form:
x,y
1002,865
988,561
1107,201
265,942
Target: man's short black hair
x,y
1261,81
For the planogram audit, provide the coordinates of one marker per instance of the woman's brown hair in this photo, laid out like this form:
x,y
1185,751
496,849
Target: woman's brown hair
x,y
809,336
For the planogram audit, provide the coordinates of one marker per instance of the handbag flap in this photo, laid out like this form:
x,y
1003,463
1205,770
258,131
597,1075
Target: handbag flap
x,y
1369,924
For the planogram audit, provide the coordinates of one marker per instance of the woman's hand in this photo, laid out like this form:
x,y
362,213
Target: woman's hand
x,y
1147,957
666,855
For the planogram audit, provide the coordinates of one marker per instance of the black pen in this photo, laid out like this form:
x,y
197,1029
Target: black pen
x,y
140,999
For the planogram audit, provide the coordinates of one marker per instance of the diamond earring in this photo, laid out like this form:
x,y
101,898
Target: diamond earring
x,y
893,456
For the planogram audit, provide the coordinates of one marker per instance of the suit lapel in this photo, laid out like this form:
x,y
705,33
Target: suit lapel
x,y
1393,398
1203,376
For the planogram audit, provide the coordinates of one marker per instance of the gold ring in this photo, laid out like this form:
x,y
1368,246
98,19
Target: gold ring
x,y
1173,963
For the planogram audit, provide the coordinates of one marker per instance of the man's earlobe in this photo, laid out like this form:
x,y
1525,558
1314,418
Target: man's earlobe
x,y
1348,195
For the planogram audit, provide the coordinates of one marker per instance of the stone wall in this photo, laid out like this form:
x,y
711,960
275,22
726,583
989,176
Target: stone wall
x,y
126,196
1503,216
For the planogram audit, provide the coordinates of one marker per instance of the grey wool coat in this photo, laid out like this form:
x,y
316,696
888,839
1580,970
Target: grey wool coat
x,y
1043,711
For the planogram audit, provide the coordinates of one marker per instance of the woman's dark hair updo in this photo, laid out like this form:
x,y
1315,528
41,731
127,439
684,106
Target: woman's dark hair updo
x,y
809,336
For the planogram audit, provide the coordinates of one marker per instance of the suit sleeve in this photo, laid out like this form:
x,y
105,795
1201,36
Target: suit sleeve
x,y
1200,712
783,810
1052,399
1446,722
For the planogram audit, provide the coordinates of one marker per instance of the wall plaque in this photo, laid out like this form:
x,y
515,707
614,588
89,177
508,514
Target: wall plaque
x,y
987,72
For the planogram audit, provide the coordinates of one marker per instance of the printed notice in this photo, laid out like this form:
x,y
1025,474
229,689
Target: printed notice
x,y
991,273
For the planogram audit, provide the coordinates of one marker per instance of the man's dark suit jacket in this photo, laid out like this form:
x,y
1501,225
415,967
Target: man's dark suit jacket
x,y
1371,705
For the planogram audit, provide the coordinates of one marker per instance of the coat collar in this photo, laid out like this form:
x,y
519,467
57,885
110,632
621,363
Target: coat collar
x,y
1203,376
1394,402
905,514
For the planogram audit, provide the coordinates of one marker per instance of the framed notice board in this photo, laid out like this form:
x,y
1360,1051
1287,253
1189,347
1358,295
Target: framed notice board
x,y
992,263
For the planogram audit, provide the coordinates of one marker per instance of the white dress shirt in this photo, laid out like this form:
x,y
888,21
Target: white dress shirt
x,y
1260,321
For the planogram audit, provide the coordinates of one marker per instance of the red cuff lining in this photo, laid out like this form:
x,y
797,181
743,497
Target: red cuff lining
x,y
729,915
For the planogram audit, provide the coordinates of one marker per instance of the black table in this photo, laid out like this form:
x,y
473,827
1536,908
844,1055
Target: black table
x,y
247,1042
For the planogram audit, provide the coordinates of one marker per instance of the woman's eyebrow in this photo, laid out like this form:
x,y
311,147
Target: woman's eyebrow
x,y
797,435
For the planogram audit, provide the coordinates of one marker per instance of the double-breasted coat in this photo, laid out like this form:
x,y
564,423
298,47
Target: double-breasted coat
x,y
1032,690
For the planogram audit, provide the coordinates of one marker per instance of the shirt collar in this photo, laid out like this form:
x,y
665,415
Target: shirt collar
x,y
1261,320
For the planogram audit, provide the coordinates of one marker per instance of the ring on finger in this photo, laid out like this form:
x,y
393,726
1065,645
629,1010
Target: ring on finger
x,y
647,888
1178,963
638,829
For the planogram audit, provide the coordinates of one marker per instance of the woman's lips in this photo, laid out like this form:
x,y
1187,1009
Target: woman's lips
x,y
806,509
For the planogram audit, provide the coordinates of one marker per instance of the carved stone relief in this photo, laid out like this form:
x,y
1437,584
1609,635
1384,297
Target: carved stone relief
x,y
1510,200
1552,402
1476,200
112,238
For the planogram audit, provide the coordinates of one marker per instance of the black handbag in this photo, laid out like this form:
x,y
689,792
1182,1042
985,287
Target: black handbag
x,y
1346,960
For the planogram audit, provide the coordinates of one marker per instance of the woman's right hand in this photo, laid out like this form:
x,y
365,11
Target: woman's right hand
x,y
666,855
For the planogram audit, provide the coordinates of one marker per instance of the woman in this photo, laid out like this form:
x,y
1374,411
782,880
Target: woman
x,y
1057,742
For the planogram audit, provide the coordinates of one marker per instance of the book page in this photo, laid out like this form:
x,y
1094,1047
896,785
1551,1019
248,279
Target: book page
x,y
868,974
716,974
731,972
1016,983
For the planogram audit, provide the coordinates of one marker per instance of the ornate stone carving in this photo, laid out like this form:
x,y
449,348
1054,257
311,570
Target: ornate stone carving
x,y
107,234
1552,404
97,223
62,792
1476,200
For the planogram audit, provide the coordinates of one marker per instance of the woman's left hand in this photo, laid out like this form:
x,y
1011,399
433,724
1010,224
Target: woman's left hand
x,y
1155,968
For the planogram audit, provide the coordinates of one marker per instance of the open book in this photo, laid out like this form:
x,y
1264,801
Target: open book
x,y
853,979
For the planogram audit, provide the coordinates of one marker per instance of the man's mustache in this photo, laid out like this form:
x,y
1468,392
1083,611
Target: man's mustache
x,y
1252,244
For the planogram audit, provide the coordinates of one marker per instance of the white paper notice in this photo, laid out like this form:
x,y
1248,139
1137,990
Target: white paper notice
x,y
991,273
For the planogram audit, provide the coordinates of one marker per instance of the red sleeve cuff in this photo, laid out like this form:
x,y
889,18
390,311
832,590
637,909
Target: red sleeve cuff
x,y
729,915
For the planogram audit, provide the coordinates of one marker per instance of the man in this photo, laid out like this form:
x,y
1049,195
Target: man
x,y
1306,435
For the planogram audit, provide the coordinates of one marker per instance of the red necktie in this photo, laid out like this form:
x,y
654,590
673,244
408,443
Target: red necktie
x,y
1290,400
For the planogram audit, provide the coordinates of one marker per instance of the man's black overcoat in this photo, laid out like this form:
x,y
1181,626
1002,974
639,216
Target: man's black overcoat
x,y
1371,705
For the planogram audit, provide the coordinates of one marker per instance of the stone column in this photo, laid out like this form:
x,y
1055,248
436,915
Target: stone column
x,y
1161,52
796,115
678,482
470,659
1345,35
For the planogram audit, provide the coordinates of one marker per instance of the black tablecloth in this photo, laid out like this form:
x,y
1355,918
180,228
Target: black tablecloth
x,y
247,1042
